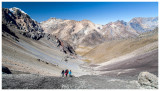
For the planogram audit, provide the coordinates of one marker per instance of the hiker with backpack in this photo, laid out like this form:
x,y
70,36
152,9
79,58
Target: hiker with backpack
x,y
62,73
66,72
70,73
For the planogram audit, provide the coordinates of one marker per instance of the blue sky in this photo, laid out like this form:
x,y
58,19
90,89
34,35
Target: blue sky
x,y
97,12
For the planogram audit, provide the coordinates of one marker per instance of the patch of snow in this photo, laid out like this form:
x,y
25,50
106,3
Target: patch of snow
x,y
11,9
86,32
113,25
33,19
98,26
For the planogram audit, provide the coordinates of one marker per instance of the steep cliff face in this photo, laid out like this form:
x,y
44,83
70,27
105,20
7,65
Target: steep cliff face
x,y
16,18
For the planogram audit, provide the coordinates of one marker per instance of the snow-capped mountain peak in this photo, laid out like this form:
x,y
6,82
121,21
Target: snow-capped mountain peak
x,y
15,8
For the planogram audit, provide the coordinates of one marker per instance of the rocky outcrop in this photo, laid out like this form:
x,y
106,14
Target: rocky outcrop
x,y
15,18
8,18
33,35
65,47
5,70
148,80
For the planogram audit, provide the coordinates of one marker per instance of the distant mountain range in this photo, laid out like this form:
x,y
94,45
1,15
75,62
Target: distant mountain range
x,y
77,33
87,33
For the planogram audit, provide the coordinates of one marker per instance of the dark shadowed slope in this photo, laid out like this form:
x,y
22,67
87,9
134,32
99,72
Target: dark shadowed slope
x,y
132,66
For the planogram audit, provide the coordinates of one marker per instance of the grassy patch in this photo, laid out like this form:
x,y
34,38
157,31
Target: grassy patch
x,y
109,50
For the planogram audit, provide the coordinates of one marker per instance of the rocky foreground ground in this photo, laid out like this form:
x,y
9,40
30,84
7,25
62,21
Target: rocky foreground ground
x,y
30,81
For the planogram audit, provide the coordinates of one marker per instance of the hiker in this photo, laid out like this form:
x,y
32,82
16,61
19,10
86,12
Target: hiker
x,y
70,73
66,72
62,73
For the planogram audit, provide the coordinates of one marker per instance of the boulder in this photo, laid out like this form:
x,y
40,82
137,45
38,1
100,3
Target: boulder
x,y
148,80
5,70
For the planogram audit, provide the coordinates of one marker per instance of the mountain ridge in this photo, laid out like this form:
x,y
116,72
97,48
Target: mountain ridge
x,y
76,32
84,32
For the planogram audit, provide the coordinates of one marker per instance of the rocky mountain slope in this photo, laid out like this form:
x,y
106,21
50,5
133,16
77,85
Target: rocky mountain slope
x,y
30,50
75,32
125,56
16,18
118,30
141,24
113,49
43,57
